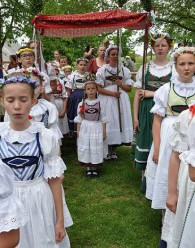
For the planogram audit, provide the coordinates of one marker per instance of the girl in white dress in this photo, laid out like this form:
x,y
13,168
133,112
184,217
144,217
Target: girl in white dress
x,y
12,212
178,225
91,130
170,100
32,152
60,98
108,80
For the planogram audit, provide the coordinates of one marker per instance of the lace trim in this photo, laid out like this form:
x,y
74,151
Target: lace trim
x,y
54,168
22,137
12,222
182,86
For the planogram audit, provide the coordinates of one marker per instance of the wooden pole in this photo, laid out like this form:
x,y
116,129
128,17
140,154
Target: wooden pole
x,y
144,57
118,63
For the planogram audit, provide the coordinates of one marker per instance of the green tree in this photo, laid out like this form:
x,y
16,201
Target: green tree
x,y
15,19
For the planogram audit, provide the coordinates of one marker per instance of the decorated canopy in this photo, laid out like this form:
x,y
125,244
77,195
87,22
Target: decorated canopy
x,y
78,25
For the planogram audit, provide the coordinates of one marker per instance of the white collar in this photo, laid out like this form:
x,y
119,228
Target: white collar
x,y
181,85
22,137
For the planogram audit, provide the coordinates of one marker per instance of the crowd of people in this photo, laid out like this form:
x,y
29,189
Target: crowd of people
x,y
91,105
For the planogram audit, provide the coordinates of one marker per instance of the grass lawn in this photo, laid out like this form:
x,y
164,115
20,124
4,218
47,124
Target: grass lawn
x,y
109,212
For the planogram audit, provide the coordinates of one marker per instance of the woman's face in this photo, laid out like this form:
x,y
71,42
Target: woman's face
x,y
185,66
101,51
57,55
113,56
161,48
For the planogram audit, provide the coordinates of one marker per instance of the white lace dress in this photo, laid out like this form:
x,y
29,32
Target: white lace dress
x,y
91,147
157,175
178,229
12,211
33,156
104,79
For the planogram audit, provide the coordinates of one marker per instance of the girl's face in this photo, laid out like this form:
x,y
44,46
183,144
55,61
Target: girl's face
x,y
101,51
161,48
185,66
91,90
82,67
63,62
27,59
53,85
67,71
113,57
18,101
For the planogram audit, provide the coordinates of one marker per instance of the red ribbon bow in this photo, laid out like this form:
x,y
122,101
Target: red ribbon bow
x,y
30,117
192,109
82,109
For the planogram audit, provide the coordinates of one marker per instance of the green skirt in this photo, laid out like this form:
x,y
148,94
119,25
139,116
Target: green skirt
x,y
144,136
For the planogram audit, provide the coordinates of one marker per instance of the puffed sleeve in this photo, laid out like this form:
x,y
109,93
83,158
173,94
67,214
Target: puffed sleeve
x,y
189,156
100,76
78,118
161,100
69,83
138,83
12,211
127,76
53,119
54,165
178,139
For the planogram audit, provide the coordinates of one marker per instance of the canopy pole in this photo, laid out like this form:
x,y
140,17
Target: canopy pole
x,y
118,63
37,48
144,57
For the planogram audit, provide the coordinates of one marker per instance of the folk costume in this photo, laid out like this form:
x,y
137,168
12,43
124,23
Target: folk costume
x,y
170,100
155,77
178,229
106,77
91,147
76,84
33,156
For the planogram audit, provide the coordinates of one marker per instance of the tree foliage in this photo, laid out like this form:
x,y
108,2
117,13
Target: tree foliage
x,y
176,17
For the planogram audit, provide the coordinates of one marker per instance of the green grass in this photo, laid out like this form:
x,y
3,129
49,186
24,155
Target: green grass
x,y
109,212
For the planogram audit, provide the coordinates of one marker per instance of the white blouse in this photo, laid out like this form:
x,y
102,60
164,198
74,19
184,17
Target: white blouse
x,y
54,165
162,94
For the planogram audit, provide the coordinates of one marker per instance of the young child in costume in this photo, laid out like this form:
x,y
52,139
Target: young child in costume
x,y
59,99
179,220
91,129
114,83
12,212
170,100
32,152
158,73
75,87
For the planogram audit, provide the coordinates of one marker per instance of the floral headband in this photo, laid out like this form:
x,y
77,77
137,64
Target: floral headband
x,y
111,47
162,36
20,79
82,59
26,49
35,71
182,50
